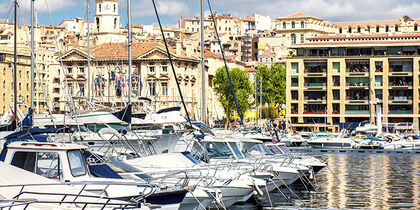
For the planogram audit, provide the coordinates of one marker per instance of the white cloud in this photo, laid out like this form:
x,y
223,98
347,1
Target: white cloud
x,y
43,6
331,10
166,8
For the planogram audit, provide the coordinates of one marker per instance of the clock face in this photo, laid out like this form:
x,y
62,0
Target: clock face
x,y
107,7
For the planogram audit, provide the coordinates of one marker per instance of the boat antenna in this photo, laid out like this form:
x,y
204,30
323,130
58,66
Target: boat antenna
x,y
172,65
226,67
15,65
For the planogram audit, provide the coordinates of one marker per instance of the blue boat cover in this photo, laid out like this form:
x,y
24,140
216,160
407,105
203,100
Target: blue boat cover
x,y
374,138
100,170
27,121
31,132
103,171
199,136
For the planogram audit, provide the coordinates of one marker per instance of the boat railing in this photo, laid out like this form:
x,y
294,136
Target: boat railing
x,y
16,202
106,201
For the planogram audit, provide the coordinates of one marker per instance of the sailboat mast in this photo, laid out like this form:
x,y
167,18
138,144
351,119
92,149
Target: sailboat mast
x,y
32,55
88,51
15,65
129,50
129,58
203,76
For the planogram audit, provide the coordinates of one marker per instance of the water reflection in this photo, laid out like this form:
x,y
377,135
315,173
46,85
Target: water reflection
x,y
357,181
370,181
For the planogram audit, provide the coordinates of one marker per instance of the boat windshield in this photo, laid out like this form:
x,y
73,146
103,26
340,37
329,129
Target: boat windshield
x,y
245,146
266,150
77,163
274,149
97,127
259,149
218,150
236,150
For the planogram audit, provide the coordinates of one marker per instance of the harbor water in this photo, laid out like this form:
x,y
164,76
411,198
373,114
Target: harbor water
x,y
371,181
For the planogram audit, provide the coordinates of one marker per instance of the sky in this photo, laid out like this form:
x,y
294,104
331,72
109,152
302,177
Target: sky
x,y
54,11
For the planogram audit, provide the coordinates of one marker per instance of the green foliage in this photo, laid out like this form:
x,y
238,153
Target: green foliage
x,y
266,112
274,81
241,85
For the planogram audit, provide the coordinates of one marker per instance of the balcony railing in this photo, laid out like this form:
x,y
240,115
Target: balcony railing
x,y
401,112
400,98
315,98
357,84
399,69
315,112
358,70
295,84
316,70
315,84
357,112
400,84
360,98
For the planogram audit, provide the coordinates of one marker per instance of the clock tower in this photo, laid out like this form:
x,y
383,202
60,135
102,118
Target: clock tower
x,y
107,22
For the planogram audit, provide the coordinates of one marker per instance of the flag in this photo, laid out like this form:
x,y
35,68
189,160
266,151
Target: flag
x,y
113,76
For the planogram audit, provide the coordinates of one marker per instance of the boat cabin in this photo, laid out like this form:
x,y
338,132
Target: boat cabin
x,y
64,162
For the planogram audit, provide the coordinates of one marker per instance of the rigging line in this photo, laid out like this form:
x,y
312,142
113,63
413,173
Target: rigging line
x,y
172,65
7,14
226,67
67,94
41,80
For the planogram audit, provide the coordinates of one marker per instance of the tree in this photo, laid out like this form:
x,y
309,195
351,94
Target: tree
x,y
274,81
241,85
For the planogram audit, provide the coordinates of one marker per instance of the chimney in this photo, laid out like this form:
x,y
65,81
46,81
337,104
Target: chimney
x,y
178,48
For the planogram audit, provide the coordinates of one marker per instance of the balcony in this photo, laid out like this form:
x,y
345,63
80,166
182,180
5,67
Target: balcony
x,y
315,84
357,98
357,112
295,85
401,112
400,84
357,84
315,112
400,98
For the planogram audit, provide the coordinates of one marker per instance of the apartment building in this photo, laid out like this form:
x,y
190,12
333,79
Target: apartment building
x,y
335,78
6,79
296,28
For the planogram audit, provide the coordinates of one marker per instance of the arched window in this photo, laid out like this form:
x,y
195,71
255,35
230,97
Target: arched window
x,y
415,27
377,29
341,30
115,23
396,27
284,25
302,24
358,29
387,28
100,7
293,24
293,39
349,30
115,8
